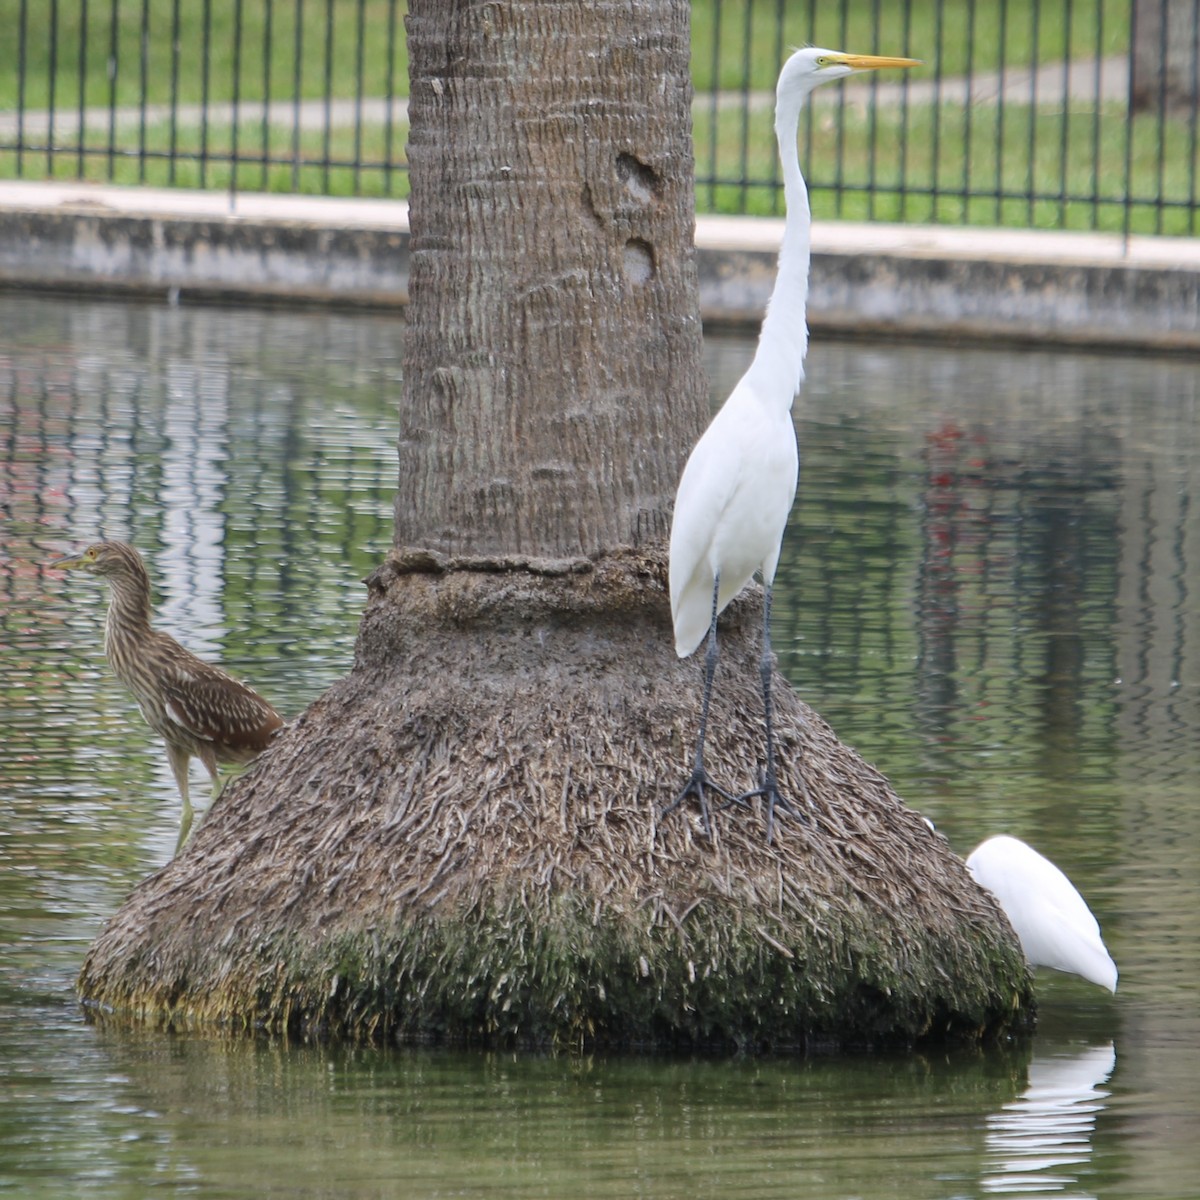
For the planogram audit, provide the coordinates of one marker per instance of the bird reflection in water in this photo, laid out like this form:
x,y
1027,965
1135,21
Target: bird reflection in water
x,y
1039,1141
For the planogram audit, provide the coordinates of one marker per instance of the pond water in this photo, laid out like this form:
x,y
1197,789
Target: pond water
x,y
990,586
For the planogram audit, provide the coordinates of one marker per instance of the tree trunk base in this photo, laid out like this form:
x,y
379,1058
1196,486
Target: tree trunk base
x,y
463,841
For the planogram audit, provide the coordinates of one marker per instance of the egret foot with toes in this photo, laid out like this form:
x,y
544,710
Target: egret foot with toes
x,y
699,785
701,782
768,788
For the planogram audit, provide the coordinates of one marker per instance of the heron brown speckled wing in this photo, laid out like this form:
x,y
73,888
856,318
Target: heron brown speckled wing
x,y
197,709
217,708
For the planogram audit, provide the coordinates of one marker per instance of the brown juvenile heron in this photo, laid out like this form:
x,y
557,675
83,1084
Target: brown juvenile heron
x,y
197,709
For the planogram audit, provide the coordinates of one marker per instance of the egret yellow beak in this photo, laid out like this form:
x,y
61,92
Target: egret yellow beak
x,y
874,62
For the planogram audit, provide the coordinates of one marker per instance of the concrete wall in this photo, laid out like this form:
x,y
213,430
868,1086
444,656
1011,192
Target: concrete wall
x,y
947,284
968,284
189,245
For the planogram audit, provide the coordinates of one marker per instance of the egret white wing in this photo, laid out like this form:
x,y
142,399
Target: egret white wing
x,y
703,494
730,510
1052,920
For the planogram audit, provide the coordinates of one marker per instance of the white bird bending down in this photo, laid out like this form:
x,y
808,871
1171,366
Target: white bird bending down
x,y
1052,920
737,488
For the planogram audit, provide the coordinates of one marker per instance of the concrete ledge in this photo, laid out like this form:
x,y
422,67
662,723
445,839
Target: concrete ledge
x,y
907,281
82,238
978,284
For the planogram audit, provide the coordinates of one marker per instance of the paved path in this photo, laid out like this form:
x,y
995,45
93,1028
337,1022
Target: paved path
x,y
1082,81
281,115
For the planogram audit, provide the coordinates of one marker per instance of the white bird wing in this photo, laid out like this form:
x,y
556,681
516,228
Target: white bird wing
x,y
1051,918
704,493
1064,943
731,507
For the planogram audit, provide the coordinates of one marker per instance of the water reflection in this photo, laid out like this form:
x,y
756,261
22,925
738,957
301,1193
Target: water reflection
x,y
1042,1140
991,575
257,480
260,1118
988,586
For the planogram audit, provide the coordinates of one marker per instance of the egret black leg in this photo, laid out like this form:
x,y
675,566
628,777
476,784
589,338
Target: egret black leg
x,y
768,784
700,784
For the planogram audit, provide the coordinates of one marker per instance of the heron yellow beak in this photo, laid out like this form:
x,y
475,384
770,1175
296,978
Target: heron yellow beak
x,y
874,62
69,563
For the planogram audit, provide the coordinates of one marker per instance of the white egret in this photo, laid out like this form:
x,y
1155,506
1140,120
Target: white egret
x,y
1052,920
738,485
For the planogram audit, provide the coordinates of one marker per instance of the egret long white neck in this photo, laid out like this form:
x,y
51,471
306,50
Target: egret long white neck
x,y
783,341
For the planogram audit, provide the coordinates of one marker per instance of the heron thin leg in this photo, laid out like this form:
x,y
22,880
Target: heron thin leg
x,y
185,825
218,780
768,784
179,759
700,783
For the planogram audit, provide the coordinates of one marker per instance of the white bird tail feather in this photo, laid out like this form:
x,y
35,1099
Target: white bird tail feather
x,y
1049,916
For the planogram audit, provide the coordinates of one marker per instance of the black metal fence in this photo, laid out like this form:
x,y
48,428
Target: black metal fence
x,y
1063,114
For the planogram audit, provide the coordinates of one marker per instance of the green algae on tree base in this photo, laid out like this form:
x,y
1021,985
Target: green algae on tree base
x,y
461,841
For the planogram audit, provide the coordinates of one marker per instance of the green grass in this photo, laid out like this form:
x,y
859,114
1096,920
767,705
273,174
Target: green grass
x,y
311,166
217,48
952,165
884,164
737,43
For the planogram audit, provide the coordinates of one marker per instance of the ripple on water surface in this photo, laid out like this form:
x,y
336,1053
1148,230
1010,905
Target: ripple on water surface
x,y
988,586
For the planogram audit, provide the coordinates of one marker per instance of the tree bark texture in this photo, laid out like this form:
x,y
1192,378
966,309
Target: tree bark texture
x,y
1166,50
462,841
553,378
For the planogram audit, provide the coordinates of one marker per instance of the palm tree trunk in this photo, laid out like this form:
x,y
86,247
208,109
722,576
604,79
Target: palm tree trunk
x,y
553,379
1165,57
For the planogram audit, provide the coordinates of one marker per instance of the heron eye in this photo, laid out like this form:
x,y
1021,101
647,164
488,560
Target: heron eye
x,y
822,60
